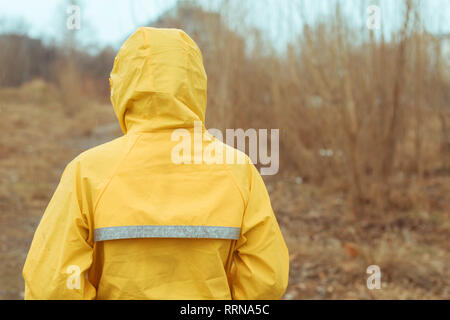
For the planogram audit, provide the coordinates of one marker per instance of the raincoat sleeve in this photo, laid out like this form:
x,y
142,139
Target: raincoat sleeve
x,y
260,267
61,254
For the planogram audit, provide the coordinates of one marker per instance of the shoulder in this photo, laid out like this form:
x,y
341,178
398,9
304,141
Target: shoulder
x,y
98,163
239,165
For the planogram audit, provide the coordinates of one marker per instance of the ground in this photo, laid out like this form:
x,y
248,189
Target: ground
x,y
330,247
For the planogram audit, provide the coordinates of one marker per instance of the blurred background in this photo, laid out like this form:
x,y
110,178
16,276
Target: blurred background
x,y
361,95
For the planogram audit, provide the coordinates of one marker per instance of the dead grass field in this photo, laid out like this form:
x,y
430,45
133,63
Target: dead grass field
x,y
330,247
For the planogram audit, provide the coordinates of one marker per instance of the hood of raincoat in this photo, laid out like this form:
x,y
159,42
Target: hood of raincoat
x,y
159,86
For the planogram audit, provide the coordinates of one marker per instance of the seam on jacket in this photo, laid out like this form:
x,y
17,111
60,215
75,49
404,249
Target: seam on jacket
x,y
236,183
114,173
234,243
251,173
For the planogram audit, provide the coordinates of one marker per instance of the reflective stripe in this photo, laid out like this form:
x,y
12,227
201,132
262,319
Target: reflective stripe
x,y
133,232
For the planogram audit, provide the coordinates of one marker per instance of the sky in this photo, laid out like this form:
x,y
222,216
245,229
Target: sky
x,y
102,21
109,22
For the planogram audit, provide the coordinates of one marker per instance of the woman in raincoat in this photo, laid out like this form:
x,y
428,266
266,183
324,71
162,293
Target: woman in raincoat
x,y
128,222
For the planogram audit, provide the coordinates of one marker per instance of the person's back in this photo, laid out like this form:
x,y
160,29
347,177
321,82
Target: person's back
x,y
141,218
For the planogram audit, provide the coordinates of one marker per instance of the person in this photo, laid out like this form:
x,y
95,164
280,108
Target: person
x,y
128,222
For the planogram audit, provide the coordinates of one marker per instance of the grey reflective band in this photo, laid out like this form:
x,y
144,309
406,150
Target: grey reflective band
x,y
134,232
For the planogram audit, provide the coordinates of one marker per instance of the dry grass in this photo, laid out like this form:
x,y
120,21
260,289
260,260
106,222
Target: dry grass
x,y
330,250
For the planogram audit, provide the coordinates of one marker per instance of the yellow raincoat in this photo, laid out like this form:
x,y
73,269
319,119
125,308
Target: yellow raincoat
x,y
127,221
